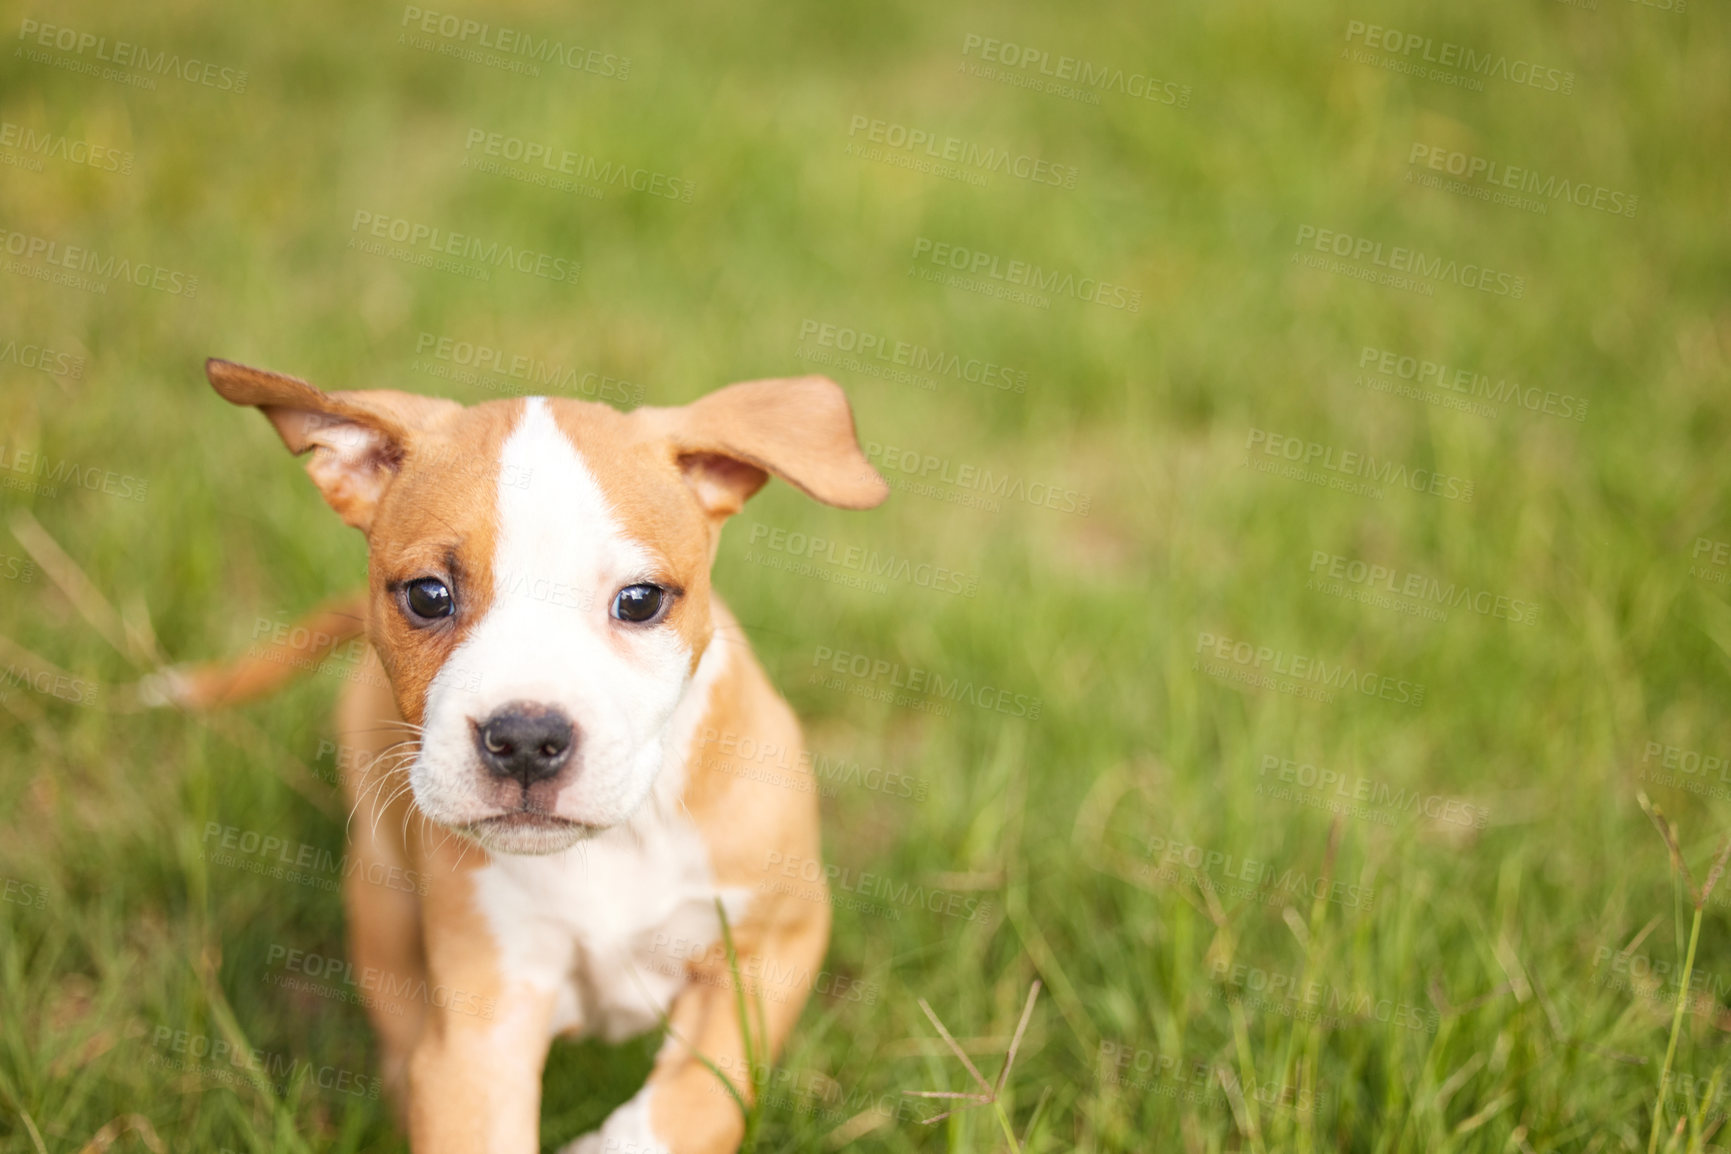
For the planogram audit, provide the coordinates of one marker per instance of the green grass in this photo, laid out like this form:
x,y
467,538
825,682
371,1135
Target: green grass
x,y
1468,989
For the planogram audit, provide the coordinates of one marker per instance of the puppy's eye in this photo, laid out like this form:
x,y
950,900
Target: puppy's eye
x,y
639,602
430,599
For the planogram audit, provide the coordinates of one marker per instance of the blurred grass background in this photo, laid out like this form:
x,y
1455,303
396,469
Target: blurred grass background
x,y
1515,1021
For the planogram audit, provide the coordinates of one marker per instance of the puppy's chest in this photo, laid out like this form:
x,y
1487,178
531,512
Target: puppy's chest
x,y
607,926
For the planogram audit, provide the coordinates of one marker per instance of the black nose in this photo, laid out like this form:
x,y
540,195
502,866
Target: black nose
x,y
524,741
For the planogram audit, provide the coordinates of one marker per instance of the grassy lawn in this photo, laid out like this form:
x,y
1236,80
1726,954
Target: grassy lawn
x,y
1309,539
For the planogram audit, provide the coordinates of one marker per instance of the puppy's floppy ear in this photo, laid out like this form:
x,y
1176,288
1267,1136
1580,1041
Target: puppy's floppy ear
x,y
797,428
358,439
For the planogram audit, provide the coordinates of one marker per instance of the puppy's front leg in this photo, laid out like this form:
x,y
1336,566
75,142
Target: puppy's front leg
x,y
475,1075
475,1085
684,1108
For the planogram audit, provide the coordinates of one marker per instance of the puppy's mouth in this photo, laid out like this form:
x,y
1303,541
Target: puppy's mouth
x,y
528,831
524,819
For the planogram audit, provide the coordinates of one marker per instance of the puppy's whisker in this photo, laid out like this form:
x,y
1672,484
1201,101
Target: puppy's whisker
x,y
383,807
369,785
397,762
390,801
395,727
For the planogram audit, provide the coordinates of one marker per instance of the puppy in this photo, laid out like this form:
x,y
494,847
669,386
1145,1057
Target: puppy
x,y
544,659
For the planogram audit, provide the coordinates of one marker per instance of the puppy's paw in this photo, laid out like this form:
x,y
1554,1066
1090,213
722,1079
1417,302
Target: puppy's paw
x,y
626,1131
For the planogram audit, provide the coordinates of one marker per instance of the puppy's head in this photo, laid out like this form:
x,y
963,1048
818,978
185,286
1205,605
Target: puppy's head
x,y
539,572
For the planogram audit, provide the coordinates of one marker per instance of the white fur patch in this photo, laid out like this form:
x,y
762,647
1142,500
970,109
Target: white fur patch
x,y
626,1131
607,925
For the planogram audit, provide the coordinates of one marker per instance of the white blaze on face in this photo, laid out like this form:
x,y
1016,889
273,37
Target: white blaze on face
x,y
549,638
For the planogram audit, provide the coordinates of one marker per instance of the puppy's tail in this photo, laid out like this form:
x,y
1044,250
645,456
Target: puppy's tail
x,y
283,653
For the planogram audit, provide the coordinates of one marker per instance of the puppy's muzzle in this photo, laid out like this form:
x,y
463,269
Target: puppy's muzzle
x,y
525,742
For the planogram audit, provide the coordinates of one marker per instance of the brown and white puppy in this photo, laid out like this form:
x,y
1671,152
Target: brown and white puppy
x,y
539,606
